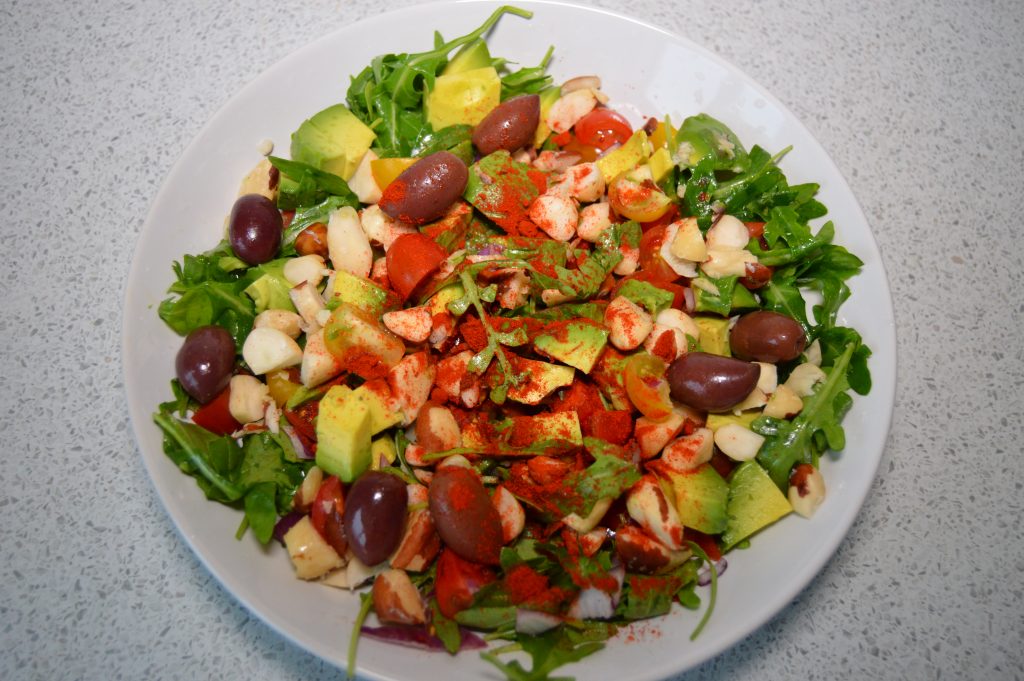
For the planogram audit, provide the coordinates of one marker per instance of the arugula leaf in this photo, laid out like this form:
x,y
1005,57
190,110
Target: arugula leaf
x,y
583,282
258,473
528,80
833,342
608,476
207,294
199,452
388,94
751,195
719,303
647,295
645,596
790,442
303,185
447,630
261,510
551,650
698,192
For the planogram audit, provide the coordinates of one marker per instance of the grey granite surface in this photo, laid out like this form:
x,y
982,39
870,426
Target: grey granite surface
x,y
920,104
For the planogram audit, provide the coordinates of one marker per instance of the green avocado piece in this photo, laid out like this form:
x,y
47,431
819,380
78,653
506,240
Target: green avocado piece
x,y
754,503
333,140
743,300
701,496
360,292
714,335
343,434
578,343
270,290
383,452
382,414
474,55
462,98
548,97
540,380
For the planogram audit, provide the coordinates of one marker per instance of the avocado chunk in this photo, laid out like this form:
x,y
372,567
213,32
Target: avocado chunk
x,y
540,379
742,300
383,452
474,55
376,394
548,97
438,303
343,434
333,140
577,342
714,335
464,97
754,503
701,496
360,292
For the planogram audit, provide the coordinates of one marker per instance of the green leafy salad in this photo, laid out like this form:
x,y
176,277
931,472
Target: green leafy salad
x,y
523,369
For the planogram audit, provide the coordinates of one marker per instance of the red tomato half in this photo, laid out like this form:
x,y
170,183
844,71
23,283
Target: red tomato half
x,y
602,128
215,415
651,261
327,511
457,582
411,259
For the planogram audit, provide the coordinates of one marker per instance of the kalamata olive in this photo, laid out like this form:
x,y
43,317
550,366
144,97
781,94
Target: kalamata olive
x,y
509,126
205,362
312,240
375,515
426,189
464,516
711,382
766,336
255,229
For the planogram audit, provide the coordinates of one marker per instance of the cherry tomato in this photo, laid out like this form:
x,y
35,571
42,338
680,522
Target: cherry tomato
x,y
457,582
215,415
668,218
637,198
755,229
411,259
588,153
602,128
646,386
651,261
327,512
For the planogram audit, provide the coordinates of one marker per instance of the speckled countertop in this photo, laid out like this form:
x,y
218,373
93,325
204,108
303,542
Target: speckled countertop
x,y
920,105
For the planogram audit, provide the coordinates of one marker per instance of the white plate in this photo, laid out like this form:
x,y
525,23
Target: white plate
x,y
659,73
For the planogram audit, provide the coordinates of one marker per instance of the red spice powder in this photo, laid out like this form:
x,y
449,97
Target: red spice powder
x,y
665,347
615,427
580,397
526,586
472,331
364,364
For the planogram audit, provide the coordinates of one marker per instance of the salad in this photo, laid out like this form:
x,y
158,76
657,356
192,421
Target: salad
x,y
507,365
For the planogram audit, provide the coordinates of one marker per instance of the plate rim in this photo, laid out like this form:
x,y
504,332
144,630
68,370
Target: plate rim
x,y
773,606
